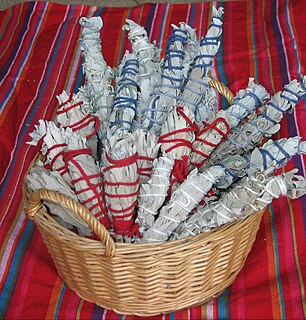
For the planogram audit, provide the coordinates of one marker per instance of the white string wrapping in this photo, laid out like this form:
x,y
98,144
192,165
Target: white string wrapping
x,y
248,196
152,194
185,198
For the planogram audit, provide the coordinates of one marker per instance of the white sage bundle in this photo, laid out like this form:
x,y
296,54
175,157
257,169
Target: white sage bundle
x,y
121,182
249,134
165,94
196,93
148,56
50,141
272,155
207,107
39,178
125,102
183,200
71,114
153,194
235,167
38,135
251,194
98,88
147,149
176,140
207,139
275,154
191,49
86,177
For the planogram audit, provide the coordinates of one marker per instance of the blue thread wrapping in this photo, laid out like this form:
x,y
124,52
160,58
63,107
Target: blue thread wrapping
x,y
256,127
265,153
205,84
152,110
247,160
303,85
264,115
255,97
276,107
231,173
166,85
282,150
199,93
176,35
237,144
295,101
95,31
171,78
123,102
236,115
243,106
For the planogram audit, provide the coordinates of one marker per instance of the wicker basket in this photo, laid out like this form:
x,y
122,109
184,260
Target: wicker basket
x,y
143,279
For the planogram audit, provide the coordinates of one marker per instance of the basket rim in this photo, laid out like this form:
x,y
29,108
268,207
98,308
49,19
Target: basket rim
x,y
120,248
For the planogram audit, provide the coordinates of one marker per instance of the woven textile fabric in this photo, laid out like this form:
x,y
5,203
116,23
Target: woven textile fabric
x,y
40,56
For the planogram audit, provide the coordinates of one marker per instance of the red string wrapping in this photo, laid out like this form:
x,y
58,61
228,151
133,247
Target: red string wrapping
x,y
82,123
62,110
180,169
180,172
57,162
40,143
88,186
66,102
201,140
210,195
179,142
144,171
77,126
121,196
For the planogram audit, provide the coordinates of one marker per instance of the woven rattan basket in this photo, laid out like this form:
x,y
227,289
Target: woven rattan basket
x,y
143,279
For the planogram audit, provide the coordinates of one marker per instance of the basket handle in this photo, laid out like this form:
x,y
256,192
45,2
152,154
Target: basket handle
x,y
35,203
221,88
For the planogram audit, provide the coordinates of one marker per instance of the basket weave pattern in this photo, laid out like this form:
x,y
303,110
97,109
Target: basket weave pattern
x,y
143,279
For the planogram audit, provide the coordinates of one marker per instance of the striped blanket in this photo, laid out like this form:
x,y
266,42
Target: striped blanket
x,y
40,56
